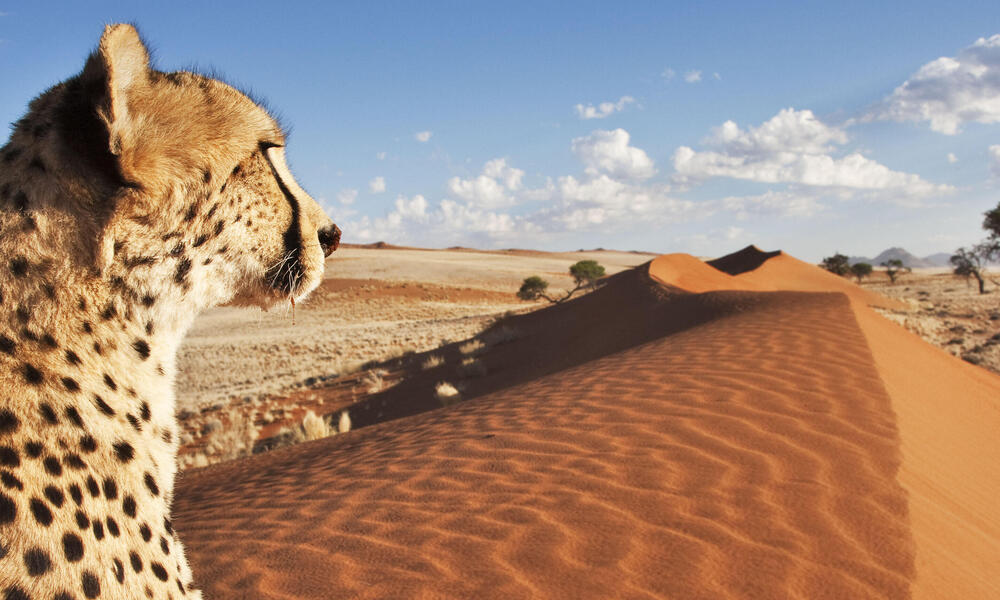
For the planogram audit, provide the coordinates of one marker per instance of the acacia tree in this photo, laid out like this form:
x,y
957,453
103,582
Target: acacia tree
x,y
585,273
992,225
861,270
533,288
894,268
970,262
837,264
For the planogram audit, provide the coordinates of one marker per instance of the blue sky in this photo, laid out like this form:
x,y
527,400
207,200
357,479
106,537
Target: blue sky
x,y
811,127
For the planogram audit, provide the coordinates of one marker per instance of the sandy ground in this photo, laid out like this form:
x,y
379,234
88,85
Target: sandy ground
x,y
770,436
374,304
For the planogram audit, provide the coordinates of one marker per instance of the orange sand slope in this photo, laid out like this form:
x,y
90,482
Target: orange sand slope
x,y
745,445
948,414
685,272
712,463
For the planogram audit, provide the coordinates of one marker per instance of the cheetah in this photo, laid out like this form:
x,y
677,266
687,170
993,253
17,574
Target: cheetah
x,y
130,200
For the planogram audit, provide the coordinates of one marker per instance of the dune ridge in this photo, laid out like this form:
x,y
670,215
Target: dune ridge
x,y
948,413
744,260
750,451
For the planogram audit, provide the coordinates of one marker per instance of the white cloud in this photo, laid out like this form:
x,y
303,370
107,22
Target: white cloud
x,y
607,203
422,136
449,222
609,152
603,109
347,196
716,77
377,185
498,169
994,152
413,208
692,76
492,188
952,158
788,131
668,74
733,233
496,208
773,203
793,147
380,155
950,91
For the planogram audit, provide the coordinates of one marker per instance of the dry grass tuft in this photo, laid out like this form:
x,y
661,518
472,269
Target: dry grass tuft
x,y
472,348
344,424
314,427
447,394
373,381
432,361
472,367
500,335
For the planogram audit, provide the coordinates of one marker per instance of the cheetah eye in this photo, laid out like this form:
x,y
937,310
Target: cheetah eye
x,y
265,146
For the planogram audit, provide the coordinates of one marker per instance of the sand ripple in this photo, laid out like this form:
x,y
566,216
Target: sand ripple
x,y
752,456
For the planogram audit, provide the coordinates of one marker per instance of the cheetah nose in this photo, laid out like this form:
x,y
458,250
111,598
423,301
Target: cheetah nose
x,y
329,239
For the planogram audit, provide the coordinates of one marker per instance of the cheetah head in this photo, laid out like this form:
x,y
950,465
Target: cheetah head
x,y
185,181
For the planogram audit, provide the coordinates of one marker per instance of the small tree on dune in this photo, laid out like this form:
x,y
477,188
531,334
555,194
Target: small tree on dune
x,y
861,270
837,264
585,273
894,268
970,262
533,288
992,225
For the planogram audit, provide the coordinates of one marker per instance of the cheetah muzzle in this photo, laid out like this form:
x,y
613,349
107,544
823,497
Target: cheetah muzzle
x,y
130,200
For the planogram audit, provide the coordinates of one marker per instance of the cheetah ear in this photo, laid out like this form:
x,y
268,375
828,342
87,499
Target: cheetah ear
x,y
121,63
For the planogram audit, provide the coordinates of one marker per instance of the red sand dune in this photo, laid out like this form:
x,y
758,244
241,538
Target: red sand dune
x,y
690,274
727,444
784,272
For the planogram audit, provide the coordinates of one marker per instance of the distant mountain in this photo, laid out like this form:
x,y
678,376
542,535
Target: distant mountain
x,y
941,259
909,260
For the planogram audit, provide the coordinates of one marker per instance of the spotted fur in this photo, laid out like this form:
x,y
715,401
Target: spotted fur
x,y
130,199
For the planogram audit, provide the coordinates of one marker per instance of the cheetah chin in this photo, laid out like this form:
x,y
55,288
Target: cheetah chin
x,y
130,200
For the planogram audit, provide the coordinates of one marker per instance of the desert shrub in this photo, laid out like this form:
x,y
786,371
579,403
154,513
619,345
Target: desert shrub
x,y
971,262
838,264
861,270
533,288
894,268
586,272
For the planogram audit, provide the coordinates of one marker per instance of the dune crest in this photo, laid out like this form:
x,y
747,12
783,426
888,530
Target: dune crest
x,y
690,274
744,260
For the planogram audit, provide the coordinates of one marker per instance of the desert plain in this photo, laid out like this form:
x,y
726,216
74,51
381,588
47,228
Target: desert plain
x,y
751,427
